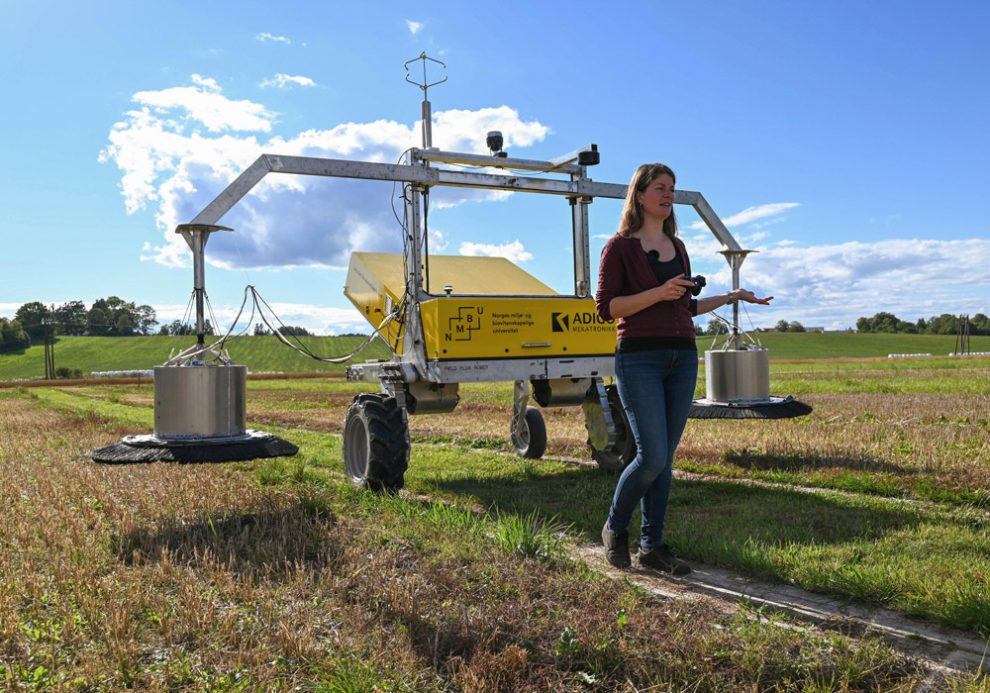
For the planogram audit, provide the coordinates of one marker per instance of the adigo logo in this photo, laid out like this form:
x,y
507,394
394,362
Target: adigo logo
x,y
581,321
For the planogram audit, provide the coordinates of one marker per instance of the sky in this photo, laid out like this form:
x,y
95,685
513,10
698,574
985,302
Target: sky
x,y
845,142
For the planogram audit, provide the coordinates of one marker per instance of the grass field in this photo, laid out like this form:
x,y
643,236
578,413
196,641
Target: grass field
x,y
267,354
276,574
260,354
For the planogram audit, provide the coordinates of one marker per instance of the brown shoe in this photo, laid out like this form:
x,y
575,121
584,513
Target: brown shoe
x,y
616,547
663,559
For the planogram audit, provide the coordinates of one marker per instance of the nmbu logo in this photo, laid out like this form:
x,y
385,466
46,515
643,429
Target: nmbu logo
x,y
581,321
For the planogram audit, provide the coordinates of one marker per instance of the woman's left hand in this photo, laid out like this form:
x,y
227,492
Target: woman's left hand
x,y
749,297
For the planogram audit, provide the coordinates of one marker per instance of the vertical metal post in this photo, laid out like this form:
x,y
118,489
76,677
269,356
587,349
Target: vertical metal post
x,y
579,225
427,123
198,246
413,350
196,236
735,259
414,260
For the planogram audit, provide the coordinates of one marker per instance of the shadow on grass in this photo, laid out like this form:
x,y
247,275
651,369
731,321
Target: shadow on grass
x,y
273,542
749,459
702,513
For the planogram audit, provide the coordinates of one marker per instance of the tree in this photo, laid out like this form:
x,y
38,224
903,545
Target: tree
x,y
145,319
70,318
290,330
943,324
782,326
177,328
260,330
884,322
716,327
116,317
124,324
32,317
99,319
795,326
980,324
12,336
117,308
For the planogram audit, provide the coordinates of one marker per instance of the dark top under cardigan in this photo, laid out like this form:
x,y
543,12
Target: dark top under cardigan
x,y
625,270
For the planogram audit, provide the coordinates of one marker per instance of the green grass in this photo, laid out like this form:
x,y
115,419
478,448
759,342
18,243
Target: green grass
x,y
259,354
267,354
828,345
949,376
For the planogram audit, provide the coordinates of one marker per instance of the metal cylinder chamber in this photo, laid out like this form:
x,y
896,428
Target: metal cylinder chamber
x,y
737,375
200,401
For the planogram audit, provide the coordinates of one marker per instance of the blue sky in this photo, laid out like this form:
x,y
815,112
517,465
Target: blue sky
x,y
846,142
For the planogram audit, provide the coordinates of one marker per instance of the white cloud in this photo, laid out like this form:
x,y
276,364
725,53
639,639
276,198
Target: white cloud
x,y
751,214
513,251
266,37
414,27
185,144
464,131
833,285
283,81
204,104
438,241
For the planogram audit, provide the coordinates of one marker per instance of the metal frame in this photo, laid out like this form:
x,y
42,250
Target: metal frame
x,y
419,173
420,176
579,189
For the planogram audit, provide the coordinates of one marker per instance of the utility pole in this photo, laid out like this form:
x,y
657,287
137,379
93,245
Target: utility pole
x,y
49,329
962,335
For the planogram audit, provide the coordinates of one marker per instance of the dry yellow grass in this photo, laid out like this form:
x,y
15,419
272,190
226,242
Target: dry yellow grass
x,y
171,577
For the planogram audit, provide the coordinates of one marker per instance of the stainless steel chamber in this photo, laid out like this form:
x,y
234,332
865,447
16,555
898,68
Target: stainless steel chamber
x,y
200,401
737,375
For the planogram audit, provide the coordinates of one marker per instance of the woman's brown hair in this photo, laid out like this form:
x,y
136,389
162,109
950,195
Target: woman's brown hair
x,y
632,216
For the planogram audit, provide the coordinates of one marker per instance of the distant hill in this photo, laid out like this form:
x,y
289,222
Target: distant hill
x,y
259,354
267,354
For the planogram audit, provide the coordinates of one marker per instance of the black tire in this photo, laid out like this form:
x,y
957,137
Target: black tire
x,y
532,443
617,457
376,443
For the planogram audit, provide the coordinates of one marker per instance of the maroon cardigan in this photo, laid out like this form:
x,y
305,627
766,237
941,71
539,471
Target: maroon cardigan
x,y
625,270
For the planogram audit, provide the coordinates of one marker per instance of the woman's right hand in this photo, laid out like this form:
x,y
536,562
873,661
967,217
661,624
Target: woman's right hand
x,y
673,288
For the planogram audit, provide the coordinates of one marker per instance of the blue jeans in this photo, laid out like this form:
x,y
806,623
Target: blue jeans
x,y
656,388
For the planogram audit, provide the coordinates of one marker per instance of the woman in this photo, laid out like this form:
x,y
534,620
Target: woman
x,y
643,284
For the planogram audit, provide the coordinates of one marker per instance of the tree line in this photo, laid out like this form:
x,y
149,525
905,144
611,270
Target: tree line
x,y
945,323
106,317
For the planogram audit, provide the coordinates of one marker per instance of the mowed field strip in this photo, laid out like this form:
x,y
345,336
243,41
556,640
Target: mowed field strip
x,y
273,574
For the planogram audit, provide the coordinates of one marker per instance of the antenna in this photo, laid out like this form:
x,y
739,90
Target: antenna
x,y
425,85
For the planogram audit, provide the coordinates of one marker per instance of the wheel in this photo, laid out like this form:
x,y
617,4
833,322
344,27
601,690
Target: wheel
x,y
613,458
376,443
532,442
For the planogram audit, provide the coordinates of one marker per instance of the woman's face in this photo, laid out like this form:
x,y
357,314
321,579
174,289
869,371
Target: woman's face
x,y
658,198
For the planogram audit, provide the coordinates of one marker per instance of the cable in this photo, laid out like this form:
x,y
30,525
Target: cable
x,y
302,348
729,334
